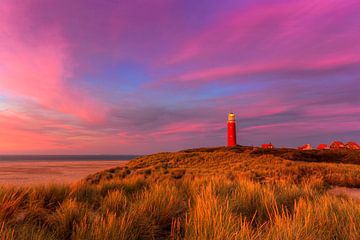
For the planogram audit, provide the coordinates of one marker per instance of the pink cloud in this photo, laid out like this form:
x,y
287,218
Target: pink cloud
x,y
16,131
332,110
174,136
282,130
280,36
217,73
186,127
269,38
288,69
39,69
228,73
49,132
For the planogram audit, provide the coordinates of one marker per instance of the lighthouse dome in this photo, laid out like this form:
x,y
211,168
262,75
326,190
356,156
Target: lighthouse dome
x,y
231,117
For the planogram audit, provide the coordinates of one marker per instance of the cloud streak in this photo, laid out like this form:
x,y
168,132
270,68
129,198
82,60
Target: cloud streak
x,y
139,77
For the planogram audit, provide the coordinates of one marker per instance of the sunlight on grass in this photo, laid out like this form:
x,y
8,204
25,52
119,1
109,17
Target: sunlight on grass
x,y
221,195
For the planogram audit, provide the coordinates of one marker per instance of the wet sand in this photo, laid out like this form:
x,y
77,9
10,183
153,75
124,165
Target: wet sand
x,y
15,173
353,193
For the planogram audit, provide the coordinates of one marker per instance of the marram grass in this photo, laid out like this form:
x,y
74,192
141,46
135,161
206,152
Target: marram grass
x,y
204,195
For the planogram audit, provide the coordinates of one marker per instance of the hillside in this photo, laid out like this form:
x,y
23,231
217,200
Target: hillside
x,y
333,167
208,193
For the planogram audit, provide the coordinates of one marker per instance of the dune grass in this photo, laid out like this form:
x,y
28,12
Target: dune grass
x,y
200,208
189,195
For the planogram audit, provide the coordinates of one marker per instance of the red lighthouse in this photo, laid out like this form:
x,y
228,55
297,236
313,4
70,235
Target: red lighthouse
x,y
231,130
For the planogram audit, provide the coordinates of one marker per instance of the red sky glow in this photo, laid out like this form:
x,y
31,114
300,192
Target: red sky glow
x,y
136,77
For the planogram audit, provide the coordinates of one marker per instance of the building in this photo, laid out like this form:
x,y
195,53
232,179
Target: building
x,y
267,146
231,126
322,146
305,147
352,145
337,145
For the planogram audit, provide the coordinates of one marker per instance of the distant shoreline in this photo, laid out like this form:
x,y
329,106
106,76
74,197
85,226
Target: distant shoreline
x,y
65,158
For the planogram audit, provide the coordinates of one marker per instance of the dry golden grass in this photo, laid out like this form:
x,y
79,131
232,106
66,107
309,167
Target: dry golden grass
x,y
197,194
265,167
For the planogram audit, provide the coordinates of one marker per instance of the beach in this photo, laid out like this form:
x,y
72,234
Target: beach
x,y
38,172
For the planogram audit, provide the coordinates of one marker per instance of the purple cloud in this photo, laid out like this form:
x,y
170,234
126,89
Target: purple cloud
x,y
139,76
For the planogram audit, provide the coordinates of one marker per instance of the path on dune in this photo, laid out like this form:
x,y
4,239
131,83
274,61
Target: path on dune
x,y
353,193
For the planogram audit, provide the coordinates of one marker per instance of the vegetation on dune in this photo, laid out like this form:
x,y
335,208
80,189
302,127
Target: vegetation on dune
x,y
215,193
326,155
264,166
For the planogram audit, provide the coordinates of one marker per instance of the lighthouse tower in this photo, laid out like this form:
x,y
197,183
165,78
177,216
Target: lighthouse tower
x,y
231,130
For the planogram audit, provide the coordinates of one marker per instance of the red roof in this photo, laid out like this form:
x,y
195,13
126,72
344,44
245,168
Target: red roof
x,y
305,147
267,146
352,145
337,144
322,146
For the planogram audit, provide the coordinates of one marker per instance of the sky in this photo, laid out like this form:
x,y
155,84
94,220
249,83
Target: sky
x,y
138,77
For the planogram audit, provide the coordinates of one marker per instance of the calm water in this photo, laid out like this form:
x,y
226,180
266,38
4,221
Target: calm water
x,y
17,158
39,169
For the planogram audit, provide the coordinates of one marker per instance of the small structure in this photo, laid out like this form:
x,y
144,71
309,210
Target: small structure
x,y
337,145
305,147
267,146
322,146
352,146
